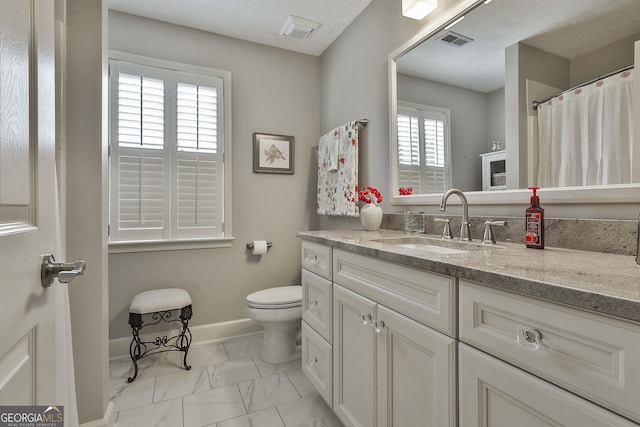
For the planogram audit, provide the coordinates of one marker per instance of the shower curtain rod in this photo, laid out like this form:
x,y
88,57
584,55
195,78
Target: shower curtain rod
x,y
535,104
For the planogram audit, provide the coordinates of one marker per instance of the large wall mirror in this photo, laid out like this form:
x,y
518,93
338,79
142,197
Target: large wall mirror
x,y
462,97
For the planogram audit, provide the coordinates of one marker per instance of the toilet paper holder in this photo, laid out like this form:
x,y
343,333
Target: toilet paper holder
x,y
250,245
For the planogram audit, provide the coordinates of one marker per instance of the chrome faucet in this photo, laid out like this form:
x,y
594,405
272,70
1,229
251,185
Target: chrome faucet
x,y
465,232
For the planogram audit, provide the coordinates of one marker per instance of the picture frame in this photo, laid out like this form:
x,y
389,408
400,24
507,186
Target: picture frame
x,y
273,153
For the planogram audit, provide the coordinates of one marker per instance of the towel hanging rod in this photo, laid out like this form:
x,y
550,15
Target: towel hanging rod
x,y
362,122
535,104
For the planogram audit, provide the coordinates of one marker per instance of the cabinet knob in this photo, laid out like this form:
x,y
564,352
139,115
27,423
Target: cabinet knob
x,y
311,259
312,304
529,337
312,361
378,326
365,319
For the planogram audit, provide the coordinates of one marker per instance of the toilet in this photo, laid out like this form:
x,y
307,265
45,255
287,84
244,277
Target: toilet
x,y
279,311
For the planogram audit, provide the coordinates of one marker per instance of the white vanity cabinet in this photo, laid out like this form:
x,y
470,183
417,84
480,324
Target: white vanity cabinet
x,y
389,369
389,345
317,318
592,356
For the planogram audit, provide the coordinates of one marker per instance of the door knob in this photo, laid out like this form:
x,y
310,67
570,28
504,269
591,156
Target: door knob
x,y
65,272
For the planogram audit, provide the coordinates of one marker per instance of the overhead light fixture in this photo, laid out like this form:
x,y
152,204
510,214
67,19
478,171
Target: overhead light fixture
x,y
418,9
487,1
298,28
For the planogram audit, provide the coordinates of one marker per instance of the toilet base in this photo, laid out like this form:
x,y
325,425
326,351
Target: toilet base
x,y
278,346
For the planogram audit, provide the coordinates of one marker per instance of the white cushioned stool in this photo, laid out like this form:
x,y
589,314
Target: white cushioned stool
x,y
160,304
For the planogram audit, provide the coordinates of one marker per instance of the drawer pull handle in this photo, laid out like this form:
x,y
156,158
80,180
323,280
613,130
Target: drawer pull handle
x,y
312,361
378,326
312,304
529,337
311,259
365,319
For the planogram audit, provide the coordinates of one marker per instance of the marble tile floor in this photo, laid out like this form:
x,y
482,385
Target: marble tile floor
x,y
229,385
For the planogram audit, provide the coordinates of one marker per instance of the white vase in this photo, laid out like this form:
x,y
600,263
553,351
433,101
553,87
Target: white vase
x,y
371,217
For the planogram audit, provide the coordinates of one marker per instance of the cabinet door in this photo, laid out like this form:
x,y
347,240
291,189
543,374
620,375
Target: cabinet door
x,y
317,303
353,358
416,373
317,362
495,394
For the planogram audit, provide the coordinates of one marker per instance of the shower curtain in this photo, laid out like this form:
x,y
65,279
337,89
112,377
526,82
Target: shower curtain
x,y
585,136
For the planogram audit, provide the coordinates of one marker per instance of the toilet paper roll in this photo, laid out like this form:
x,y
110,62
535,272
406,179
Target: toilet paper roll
x,y
259,247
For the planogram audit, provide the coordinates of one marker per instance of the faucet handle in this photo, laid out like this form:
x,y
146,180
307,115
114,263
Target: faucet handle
x,y
446,231
488,231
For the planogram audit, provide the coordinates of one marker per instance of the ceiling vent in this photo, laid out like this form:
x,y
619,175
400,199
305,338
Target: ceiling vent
x,y
298,28
455,39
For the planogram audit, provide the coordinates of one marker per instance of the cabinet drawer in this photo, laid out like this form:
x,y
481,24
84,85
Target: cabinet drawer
x,y
317,303
594,356
317,258
317,362
493,393
426,297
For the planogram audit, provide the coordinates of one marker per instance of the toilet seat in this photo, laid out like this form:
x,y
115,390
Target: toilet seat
x,y
276,298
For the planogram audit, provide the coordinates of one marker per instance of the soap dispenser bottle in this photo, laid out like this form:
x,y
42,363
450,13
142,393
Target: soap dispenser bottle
x,y
534,223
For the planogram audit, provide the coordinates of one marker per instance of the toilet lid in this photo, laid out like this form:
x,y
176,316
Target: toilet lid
x,y
280,297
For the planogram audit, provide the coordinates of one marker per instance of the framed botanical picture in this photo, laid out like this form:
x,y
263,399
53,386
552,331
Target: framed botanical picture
x,y
273,153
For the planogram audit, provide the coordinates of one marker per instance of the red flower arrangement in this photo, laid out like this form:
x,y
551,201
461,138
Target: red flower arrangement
x,y
406,191
370,195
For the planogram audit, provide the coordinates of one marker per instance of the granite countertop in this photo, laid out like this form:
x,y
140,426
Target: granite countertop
x,y
603,283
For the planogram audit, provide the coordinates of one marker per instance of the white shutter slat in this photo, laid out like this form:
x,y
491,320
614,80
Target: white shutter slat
x,y
141,197
197,118
408,152
140,111
197,196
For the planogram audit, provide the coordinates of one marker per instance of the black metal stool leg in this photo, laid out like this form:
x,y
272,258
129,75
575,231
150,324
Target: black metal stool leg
x,y
185,336
135,320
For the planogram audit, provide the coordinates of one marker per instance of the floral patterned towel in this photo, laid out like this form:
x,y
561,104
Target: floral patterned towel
x,y
338,171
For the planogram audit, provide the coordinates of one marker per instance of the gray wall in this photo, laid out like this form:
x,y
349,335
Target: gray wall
x,y
86,200
602,61
274,91
496,110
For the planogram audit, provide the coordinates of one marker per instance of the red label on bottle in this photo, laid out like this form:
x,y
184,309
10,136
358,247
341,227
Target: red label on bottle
x,y
532,231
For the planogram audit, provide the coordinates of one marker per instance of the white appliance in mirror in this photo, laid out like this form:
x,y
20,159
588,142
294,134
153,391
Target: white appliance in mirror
x,y
462,70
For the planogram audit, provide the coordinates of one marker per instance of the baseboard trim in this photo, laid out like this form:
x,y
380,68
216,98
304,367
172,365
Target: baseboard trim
x,y
108,420
202,334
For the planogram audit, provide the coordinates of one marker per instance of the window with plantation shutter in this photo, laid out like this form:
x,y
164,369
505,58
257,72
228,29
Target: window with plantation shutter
x,y
166,154
423,147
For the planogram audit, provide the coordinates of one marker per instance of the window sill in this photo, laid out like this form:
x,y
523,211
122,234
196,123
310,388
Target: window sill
x,y
168,245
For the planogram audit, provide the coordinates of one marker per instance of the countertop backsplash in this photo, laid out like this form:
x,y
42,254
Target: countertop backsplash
x,y
596,235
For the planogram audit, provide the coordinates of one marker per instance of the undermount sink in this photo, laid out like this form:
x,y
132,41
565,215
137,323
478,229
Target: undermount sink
x,y
435,245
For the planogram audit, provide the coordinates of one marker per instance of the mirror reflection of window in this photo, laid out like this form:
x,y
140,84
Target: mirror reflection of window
x,y
423,146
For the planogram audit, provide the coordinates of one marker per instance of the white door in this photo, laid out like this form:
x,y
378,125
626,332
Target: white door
x,y
30,327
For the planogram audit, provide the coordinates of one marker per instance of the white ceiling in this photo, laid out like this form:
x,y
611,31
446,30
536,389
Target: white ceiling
x,y
257,21
567,28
